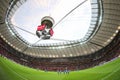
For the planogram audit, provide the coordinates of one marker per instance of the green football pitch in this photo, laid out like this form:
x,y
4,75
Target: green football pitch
x,y
10,70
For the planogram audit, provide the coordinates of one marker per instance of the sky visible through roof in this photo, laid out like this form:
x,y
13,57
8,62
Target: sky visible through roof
x,y
72,27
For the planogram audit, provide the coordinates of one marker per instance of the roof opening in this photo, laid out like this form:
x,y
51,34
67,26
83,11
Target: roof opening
x,y
72,19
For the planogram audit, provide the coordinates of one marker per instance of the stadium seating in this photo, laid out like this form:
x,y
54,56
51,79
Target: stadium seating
x,y
108,53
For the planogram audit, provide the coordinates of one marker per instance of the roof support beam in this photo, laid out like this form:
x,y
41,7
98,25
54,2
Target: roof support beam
x,y
96,44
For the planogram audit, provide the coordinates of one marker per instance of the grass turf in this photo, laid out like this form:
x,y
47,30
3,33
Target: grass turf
x,y
10,70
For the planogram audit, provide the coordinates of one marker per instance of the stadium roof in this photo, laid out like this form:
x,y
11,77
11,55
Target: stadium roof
x,y
104,25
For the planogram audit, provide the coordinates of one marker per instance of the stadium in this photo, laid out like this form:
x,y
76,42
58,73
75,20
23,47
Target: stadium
x,y
67,55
